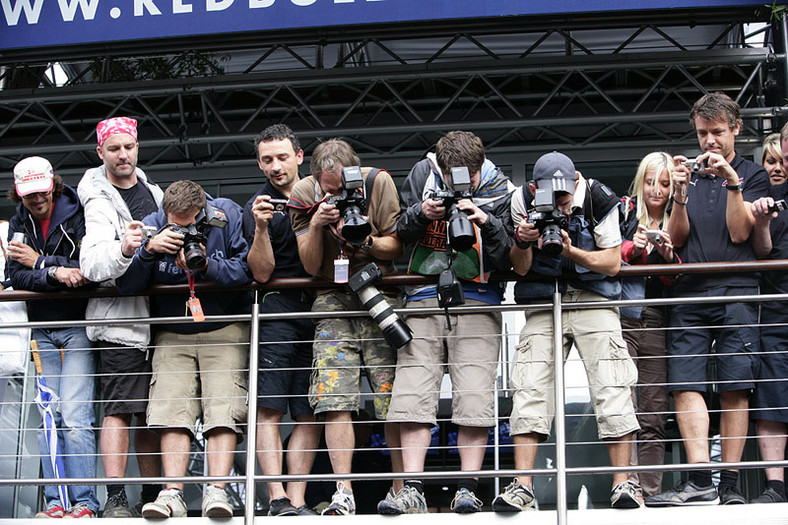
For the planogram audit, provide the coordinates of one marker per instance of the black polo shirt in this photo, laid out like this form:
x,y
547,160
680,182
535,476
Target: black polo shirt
x,y
283,240
777,281
709,240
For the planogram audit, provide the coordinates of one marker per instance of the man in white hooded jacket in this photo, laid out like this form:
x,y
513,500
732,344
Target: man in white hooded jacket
x,y
116,196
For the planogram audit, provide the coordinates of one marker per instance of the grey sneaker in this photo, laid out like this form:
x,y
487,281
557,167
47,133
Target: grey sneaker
x,y
117,506
215,503
730,495
342,502
625,496
685,493
306,510
168,504
514,498
136,510
465,502
281,507
769,496
407,501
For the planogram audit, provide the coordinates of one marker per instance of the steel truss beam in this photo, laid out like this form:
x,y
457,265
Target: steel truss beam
x,y
524,90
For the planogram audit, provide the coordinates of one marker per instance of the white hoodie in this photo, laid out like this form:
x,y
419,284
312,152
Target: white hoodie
x,y
106,218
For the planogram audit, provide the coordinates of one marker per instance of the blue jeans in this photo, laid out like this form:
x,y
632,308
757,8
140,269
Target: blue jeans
x,y
73,380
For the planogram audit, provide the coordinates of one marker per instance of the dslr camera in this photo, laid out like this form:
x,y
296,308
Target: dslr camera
x,y
195,234
460,230
548,220
396,332
352,205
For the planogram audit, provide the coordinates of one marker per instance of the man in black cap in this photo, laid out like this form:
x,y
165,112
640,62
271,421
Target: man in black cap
x,y
580,234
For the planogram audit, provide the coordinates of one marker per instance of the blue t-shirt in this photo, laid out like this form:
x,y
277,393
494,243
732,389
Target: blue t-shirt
x,y
709,239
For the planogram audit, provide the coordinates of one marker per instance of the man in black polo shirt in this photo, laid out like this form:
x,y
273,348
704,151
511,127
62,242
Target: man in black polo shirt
x,y
285,358
712,221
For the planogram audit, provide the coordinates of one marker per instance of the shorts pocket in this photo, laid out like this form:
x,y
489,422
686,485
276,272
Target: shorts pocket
x,y
240,400
618,368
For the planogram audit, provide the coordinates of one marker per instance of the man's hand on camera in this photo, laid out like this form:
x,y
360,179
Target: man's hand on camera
x,y
526,231
22,253
433,209
166,241
326,214
263,211
132,238
567,241
760,210
475,213
180,260
719,167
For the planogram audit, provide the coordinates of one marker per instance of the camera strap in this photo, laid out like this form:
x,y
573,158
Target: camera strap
x,y
193,304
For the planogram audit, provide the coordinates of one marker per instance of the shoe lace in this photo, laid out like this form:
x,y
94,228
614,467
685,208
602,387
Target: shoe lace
x,y
340,499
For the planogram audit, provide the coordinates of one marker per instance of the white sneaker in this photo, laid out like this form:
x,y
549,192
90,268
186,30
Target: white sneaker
x,y
342,502
169,504
215,503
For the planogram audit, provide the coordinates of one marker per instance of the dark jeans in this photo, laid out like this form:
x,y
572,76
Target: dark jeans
x,y
646,343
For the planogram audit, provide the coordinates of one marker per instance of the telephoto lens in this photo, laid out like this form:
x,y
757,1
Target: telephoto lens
x,y
396,332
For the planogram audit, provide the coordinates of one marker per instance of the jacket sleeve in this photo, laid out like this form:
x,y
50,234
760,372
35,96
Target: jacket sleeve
x,y
100,258
498,234
412,224
232,269
137,276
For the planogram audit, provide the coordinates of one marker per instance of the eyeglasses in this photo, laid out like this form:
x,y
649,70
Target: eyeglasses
x,y
37,195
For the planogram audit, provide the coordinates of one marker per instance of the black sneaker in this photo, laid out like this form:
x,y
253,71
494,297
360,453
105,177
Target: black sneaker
x,y
730,495
282,507
769,496
685,493
306,510
117,507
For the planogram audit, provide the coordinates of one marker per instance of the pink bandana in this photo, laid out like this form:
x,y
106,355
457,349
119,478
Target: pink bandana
x,y
115,126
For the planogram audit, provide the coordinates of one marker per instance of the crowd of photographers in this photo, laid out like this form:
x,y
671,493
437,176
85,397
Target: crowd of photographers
x,y
459,218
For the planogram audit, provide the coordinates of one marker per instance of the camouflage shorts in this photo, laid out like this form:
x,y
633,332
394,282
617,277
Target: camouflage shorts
x,y
343,348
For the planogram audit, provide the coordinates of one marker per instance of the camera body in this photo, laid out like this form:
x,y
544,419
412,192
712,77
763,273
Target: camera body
x,y
279,204
352,206
696,166
779,205
548,220
195,234
654,237
449,289
460,230
396,332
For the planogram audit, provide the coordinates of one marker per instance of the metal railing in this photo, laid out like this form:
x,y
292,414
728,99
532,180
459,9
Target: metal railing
x,y
560,470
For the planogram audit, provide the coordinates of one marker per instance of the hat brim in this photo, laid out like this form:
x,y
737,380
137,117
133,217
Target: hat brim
x,y
35,186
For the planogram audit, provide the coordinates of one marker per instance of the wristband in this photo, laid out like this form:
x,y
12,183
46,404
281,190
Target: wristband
x,y
523,245
679,202
733,187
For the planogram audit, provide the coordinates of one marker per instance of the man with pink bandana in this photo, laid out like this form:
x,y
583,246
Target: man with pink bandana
x,y
116,196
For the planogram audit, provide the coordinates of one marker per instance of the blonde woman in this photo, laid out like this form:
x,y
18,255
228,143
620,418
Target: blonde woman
x,y
646,241
772,159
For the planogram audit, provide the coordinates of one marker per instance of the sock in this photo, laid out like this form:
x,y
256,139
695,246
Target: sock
x,y
415,484
701,478
467,483
150,492
729,478
776,485
115,490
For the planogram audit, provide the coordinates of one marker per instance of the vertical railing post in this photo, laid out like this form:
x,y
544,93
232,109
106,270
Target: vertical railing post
x,y
559,425
251,418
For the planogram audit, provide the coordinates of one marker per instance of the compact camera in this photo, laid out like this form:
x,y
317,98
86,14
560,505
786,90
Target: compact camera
x,y
460,230
352,206
548,220
779,205
696,166
396,332
195,234
654,237
279,204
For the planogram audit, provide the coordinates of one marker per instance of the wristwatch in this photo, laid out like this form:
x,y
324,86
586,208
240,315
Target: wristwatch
x,y
733,187
367,246
51,273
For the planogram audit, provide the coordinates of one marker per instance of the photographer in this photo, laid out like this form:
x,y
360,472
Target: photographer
x,y
345,345
194,356
589,251
428,223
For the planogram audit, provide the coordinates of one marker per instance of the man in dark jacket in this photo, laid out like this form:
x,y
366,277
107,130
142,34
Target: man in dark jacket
x,y
43,250
198,239
472,345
